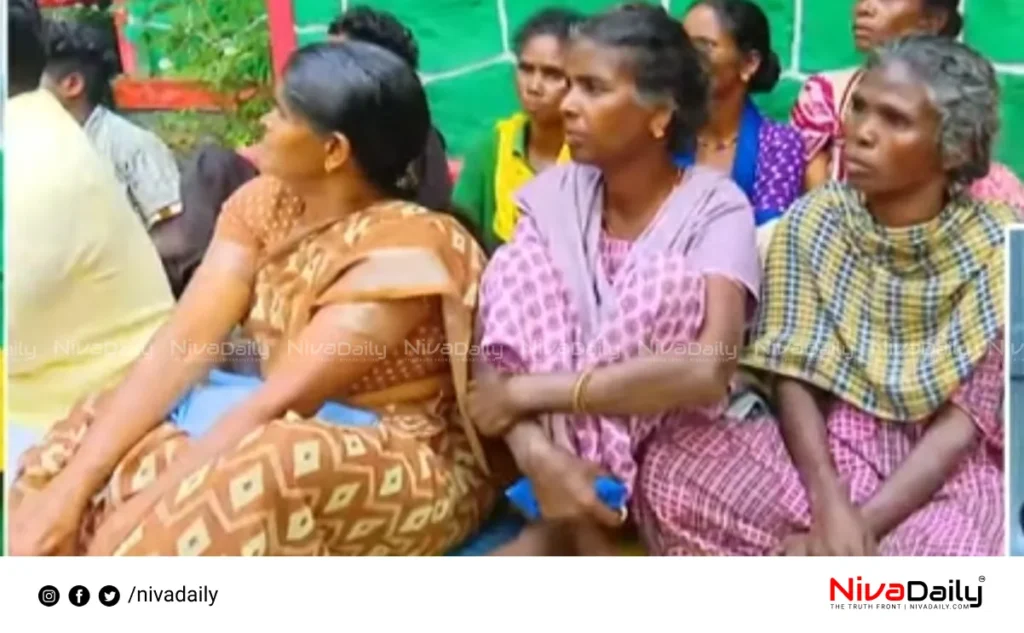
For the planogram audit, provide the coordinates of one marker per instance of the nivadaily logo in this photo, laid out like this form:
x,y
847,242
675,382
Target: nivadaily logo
x,y
913,594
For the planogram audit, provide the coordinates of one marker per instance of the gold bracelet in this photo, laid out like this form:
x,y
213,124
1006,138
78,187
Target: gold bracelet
x,y
579,391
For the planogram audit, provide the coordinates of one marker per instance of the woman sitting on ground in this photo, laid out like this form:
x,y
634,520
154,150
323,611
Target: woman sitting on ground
x,y
617,252
357,296
880,337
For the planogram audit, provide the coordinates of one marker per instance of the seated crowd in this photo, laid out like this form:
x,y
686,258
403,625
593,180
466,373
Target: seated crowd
x,y
771,337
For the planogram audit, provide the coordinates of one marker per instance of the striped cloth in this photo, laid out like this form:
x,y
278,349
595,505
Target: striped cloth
x,y
892,321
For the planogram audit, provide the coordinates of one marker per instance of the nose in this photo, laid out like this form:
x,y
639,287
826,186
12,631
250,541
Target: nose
x,y
570,106
533,83
864,8
865,133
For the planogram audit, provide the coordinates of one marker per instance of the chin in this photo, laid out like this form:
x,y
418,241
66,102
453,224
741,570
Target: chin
x,y
582,156
863,184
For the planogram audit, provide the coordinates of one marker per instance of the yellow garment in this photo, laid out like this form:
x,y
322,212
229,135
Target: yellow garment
x,y
890,320
86,290
512,172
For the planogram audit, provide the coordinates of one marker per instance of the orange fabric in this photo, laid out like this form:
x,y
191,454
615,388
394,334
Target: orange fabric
x,y
417,483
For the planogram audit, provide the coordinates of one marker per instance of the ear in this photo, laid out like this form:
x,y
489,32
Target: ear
x,y
660,120
337,152
749,67
933,21
72,86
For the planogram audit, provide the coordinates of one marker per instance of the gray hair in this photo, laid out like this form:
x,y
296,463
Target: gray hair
x,y
963,88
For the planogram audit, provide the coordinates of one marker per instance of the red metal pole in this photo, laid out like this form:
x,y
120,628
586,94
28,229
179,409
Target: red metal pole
x,y
281,23
129,60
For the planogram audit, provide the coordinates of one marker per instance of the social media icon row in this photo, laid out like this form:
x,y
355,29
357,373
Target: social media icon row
x,y
79,596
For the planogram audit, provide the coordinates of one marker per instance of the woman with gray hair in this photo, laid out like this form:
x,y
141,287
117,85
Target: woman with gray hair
x,y
825,99
879,338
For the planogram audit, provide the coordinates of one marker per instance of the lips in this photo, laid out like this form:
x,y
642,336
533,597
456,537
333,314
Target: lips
x,y
863,34
855,165
574,136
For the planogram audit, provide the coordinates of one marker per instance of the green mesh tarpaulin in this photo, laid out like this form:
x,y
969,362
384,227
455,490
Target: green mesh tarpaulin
x,y
464,48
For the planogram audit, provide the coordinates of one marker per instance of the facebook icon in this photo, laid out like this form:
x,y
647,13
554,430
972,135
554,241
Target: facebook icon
x,y
79,596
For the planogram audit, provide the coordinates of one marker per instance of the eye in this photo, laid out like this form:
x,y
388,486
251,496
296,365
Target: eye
x,y
590,85
896,119
553,74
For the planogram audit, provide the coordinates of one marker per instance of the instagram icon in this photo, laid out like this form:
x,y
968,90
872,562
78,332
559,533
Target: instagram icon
x,y
49,596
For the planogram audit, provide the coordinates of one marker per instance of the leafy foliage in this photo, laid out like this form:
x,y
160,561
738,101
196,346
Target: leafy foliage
x,y
224,44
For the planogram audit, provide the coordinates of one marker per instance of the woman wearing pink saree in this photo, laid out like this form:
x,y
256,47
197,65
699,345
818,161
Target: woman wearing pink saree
x,y
620,304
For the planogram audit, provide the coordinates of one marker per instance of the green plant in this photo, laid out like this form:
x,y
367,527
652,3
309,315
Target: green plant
x,y
223,44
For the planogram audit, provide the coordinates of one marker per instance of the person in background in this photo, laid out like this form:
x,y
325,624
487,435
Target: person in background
x,y
880,338
86,291
621,263
434,189
324,252
213,173
517,148
824,101
765,158
81,63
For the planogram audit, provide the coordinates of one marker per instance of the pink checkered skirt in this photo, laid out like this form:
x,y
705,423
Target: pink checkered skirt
x,y
730,488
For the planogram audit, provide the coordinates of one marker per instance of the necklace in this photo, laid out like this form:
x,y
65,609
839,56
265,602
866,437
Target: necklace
x,y
717,145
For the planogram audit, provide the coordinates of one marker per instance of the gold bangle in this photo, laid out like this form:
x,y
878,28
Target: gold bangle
x,y
579,391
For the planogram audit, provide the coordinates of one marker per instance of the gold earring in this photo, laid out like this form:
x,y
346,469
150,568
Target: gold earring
x,y
659,134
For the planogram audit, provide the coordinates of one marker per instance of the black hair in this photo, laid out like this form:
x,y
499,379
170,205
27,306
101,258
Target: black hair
x,y
748,27
79,47
26,53
380,28
555,21
370,95
664,63
954,20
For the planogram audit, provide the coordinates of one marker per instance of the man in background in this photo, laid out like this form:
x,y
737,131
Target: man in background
x,y
86,291
81,64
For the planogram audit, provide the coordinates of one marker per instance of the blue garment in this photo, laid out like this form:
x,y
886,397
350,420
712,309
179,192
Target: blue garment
x,y
744,166
20,438
208,402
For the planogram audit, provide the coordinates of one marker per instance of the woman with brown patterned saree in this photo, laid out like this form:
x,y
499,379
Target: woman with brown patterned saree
x,y
353,296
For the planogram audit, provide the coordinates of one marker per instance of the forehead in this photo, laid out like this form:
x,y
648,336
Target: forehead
x,y
898,6
586,57
896,85
702,21
541,46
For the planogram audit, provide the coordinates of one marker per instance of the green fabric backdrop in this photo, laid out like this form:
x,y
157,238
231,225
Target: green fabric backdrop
x,y
468,71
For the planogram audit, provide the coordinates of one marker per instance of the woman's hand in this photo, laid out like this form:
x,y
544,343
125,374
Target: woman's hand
x,y
838,530
564,487
46,523
492,405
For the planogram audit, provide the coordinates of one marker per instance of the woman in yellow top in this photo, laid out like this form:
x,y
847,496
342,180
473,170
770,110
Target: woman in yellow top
x,y
518,147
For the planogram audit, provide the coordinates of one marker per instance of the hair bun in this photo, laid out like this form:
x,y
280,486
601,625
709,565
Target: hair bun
x,y
767,75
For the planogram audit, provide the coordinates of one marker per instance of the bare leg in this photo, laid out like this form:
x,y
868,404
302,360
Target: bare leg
x,y
539,539
590,539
